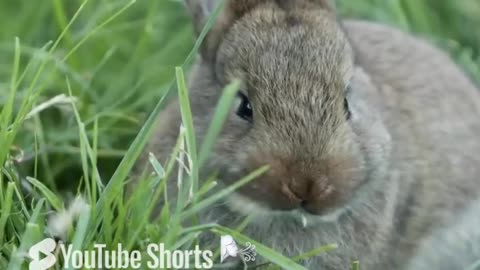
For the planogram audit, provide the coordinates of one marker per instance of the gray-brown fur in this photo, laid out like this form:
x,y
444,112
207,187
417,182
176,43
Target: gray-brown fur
x,y
382,185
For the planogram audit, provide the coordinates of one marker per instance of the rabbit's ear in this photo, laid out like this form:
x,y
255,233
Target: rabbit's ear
x,y
200,10
305,4
231,11
326,4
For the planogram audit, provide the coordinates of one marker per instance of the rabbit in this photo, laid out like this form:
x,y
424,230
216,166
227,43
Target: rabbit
x,y
370,134
463,236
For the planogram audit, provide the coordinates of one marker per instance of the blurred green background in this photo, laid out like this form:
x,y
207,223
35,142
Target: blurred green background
x,y
124,67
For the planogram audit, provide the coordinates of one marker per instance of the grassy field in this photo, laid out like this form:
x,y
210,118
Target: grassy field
x,y
78,80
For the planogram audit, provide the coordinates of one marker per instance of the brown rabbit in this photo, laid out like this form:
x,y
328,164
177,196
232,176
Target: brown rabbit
x,y
371,135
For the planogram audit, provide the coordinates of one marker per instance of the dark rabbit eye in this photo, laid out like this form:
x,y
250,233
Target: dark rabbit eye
x,y
244,109
345,103
347,109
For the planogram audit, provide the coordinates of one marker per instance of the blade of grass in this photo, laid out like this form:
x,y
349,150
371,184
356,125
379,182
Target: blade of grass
x,y
6,208
30,236
44,158
51,197
86,144
315,252
156,166
23,204
187,120
8,107
80,231
206,187
62,21
97,28
6,113
304,256
221,194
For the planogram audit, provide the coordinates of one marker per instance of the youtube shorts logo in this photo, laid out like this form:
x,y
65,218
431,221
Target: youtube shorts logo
x,y
42,255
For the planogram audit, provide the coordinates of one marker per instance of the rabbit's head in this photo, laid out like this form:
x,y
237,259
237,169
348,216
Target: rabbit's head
x,y
301,109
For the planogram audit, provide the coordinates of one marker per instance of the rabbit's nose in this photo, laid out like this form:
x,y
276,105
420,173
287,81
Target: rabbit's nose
x,y
291,195
298,191
307,193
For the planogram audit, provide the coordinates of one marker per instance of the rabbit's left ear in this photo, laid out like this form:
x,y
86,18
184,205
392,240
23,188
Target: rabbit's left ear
x,y
200,11
326,4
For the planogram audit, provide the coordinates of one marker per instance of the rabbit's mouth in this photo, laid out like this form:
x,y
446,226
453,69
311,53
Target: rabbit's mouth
x,y
257,201
296,190
260,211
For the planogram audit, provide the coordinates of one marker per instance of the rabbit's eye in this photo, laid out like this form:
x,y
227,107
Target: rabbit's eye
x,y
347,109
346,106
244,109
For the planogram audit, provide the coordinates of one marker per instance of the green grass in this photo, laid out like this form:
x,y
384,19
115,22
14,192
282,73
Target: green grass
x,y
117,60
